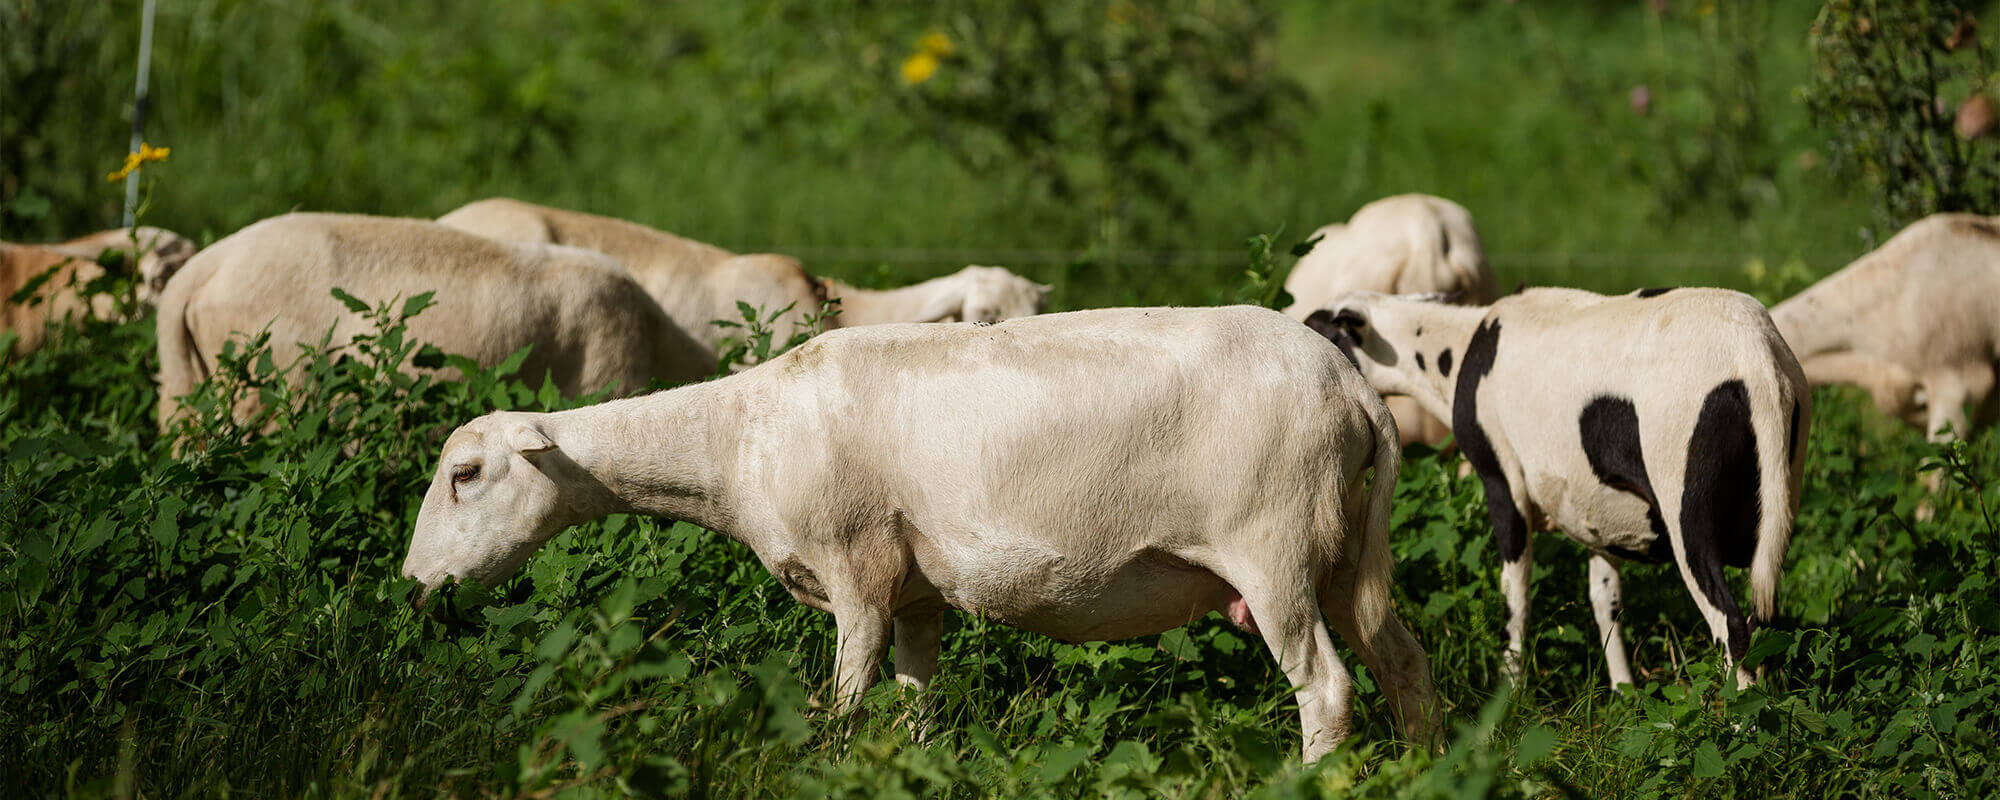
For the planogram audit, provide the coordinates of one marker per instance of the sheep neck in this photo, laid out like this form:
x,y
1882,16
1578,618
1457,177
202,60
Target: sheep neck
x,y
1813,322
1431,389
652,455
929,301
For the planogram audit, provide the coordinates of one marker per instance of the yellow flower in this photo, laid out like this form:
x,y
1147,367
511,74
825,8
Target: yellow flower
x,y
133,161
935,43
932,49
919,68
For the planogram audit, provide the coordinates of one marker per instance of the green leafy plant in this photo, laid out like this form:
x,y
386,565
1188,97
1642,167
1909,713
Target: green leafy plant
x,y
1263,281
233,617
756,342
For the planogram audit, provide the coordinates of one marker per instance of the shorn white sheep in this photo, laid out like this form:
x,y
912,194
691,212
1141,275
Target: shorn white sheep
x,y
65,267
1404,244
590,325
698,283
1659,426
161,253
1916,322
1088,476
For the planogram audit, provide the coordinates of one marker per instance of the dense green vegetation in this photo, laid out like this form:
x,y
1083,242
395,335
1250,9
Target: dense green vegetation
x,y
784,124
228,620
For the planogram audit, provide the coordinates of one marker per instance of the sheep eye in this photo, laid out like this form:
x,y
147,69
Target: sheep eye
x,y
464,472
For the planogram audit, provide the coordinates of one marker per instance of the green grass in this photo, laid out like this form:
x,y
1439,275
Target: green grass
x,y
229,621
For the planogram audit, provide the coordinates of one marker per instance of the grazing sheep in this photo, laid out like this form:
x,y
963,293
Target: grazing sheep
x,y
1088,476
698,284
1405,244
58,299
590,325
1657,426
972,294
74,264
1916,323
161,254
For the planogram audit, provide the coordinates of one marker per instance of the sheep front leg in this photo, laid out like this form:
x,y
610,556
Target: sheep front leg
x,y
1948,393
918,636
861,634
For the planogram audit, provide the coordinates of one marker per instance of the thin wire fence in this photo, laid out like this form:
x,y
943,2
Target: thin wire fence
x,y
1029,257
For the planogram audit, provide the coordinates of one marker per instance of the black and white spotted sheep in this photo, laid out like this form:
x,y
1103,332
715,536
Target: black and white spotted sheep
x,y
1662,425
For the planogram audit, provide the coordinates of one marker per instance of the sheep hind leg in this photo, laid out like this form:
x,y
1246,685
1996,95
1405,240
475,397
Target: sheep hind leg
x,y
1515,573
1356,603
861,636
1291,627
1605,599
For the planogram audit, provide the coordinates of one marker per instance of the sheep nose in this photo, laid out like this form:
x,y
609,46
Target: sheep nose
x,y
435,601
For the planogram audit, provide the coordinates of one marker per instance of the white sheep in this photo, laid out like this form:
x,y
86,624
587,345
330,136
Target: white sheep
x,y
1403,244
1916,322
1088,476
590,325
698,283
161,253
972,294
70,266
57,300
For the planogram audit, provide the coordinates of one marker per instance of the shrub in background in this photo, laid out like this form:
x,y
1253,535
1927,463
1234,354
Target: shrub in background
x,y
1888,80
1104,103
63,94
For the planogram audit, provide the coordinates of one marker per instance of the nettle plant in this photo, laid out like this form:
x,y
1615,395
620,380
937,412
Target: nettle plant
x,y
756,342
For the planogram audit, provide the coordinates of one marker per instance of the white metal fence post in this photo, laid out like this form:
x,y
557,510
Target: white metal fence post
x,y
139,112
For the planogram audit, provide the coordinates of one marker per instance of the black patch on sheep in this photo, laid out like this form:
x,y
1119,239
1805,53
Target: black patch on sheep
x,y
1610,432
1720,505
1510,529
1792,437
1420,360
1654,292
1982,227
1444,362
1334,328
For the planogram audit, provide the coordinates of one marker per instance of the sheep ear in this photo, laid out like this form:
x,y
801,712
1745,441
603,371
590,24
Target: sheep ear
x,y
528,441
1328,323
